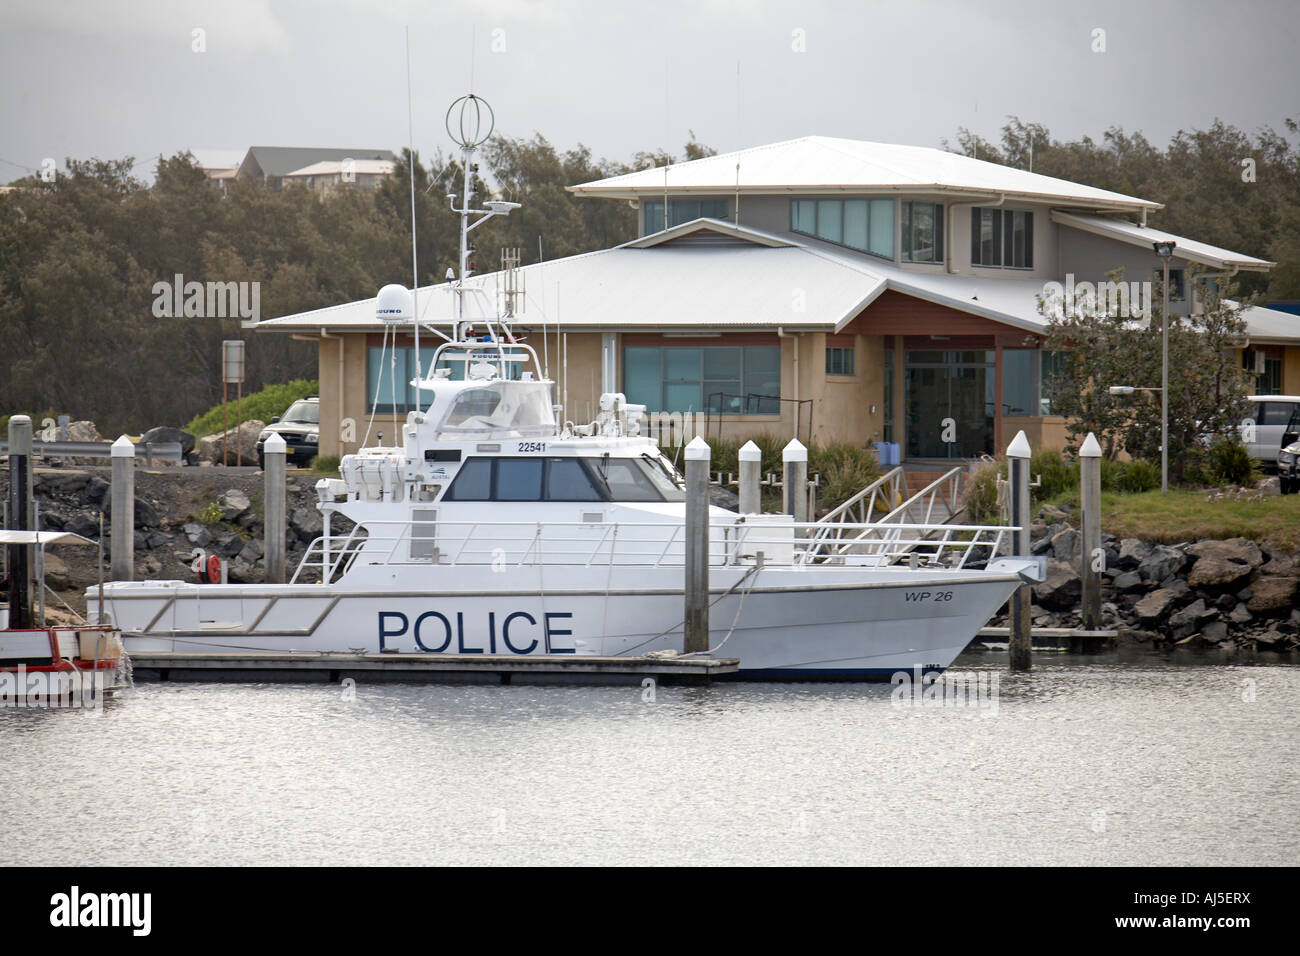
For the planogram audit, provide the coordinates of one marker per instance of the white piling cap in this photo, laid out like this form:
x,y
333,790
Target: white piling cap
x,y
795,451
750,452
274,445
698,450
122,448
1019,447
1091,448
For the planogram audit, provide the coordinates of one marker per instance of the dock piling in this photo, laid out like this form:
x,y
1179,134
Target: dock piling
x,y
1018,467
1091,557
122,556
751,464
18,559
795,484
273,454
697,546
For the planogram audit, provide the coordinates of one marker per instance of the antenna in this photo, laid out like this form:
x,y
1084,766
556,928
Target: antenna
x,y
546,347
415,267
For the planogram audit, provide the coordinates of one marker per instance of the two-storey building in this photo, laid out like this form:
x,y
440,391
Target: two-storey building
x,y
830,288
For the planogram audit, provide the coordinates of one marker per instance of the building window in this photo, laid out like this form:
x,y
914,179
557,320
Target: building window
x,y
839,361
1002,237
922,232
682,210
1177,291
866,225
721,379
1267,369
388,372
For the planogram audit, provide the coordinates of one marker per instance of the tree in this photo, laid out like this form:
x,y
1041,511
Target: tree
x,y
1104,348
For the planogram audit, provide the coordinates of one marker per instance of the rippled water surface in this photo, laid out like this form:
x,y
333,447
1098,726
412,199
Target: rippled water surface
x,y
1085,761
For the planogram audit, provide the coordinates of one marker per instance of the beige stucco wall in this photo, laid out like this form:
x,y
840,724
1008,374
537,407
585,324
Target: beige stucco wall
x,y
843,405
1291,370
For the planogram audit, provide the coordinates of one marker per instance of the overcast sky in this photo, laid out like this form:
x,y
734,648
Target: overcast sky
x,y
112,78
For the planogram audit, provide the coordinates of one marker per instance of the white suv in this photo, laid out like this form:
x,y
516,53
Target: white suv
x,y
1270,414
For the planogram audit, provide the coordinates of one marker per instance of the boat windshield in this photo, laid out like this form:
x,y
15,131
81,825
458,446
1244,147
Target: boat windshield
x,y
501,410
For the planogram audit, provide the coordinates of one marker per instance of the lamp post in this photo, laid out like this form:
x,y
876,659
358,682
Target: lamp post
x,y
1165,250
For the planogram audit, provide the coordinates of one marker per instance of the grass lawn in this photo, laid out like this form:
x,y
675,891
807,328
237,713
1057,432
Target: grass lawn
x,y
1187,516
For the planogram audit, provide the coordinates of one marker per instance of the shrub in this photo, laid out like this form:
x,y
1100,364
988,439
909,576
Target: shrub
x,y
1055,474
845,469
327,465
1228,462
211,515
269,403
980,497
1129,477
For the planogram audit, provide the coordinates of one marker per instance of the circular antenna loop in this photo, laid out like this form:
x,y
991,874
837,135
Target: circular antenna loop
x,y
466,120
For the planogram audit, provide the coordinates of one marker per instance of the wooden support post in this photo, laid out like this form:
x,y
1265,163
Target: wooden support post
x,y
18,561
1092,559
1018,460
273,474
795,480
122,556
697,546
751,494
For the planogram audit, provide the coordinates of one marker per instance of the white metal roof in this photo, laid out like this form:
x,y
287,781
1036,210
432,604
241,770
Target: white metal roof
x,y
742,279
381,167
823,164
1144,236
735,284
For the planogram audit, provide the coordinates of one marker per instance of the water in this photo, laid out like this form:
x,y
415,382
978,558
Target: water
x,y
1086,761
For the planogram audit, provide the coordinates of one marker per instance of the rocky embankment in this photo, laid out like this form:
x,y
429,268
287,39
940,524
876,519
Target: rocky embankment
x,y
177,512
1209,593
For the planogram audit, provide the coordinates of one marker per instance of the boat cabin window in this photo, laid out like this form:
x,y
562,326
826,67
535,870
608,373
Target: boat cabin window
x,y
626,480
473,481
568,480
519,479
502,408
558,479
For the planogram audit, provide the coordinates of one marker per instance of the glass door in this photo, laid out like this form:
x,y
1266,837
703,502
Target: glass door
x,y
949,403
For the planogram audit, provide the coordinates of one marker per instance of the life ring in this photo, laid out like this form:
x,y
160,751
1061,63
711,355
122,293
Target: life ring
x,y
214,569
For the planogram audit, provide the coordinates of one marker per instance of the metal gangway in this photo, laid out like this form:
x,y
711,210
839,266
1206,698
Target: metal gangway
x,y
853,528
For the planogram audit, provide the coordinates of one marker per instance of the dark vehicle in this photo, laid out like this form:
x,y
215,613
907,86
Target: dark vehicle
x,y
300,429
1288,457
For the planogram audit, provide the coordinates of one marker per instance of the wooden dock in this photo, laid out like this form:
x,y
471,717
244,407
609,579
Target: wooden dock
x,y
431,668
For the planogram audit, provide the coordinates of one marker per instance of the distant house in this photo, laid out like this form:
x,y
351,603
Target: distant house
x,y
843,290
219,165
272,164
328,175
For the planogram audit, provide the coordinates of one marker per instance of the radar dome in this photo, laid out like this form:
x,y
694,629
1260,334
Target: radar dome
x,y
393,304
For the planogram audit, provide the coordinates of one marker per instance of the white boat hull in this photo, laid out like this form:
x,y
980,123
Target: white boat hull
x,y
780,622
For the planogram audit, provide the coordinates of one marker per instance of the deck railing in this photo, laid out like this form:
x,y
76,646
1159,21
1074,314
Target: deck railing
x,y
733,541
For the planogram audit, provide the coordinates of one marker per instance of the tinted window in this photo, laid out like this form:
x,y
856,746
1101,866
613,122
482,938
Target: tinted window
x,y
519,479
474,482
567,480
1274,413
626,480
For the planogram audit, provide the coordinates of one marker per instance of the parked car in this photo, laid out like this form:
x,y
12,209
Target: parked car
x,y
1270,414
299,426
1288,456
